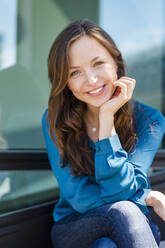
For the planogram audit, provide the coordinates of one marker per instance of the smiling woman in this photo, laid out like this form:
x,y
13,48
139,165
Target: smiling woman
x,y
101,144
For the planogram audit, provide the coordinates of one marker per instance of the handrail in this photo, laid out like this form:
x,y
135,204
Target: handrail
x,y
38,160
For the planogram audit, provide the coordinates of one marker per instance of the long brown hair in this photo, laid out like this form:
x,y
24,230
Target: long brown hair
x,y
65,111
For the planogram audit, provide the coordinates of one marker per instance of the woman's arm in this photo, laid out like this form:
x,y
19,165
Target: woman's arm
x,y
151,127
140,158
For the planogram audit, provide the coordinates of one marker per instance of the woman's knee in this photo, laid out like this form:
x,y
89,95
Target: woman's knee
x,y
127,214
126,208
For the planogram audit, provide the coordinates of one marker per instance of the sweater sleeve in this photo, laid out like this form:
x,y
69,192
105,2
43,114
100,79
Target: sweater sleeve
x,y
117,176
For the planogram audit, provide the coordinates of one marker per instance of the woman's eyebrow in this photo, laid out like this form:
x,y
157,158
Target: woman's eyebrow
x,y
94,59
75,67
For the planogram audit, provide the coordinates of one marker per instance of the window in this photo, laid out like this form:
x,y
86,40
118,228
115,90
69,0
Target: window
x,y
27,31
137,27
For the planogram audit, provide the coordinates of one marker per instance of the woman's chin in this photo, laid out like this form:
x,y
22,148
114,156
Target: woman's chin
x,y
98,104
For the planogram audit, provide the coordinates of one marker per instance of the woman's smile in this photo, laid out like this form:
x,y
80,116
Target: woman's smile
x,y
98,91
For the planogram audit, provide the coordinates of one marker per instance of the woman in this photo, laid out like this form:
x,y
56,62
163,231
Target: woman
x,y
100,144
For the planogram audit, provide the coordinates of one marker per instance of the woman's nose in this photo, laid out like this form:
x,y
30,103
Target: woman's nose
x,y
92,78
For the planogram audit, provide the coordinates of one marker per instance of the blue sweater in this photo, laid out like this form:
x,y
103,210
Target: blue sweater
x,y
118,175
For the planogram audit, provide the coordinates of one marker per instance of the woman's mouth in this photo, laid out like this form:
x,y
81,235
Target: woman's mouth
x,y
98,91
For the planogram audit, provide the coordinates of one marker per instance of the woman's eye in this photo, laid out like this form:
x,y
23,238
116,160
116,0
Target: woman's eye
x,y
98,63
74,73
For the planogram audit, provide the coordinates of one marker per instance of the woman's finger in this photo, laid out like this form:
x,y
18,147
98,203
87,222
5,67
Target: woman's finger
x,y
130,85
123,89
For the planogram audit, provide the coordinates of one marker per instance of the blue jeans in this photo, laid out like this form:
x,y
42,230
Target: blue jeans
x,y
116,225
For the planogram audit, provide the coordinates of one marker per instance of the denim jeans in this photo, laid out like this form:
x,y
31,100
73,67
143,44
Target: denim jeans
x,y
116,225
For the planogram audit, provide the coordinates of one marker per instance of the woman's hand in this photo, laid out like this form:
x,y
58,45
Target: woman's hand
x,y
156,200
124,88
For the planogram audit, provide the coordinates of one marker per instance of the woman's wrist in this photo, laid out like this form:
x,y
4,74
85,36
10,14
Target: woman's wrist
x,y
106,126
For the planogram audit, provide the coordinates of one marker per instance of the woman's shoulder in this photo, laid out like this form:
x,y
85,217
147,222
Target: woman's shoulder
x,y
143,110
46,128
147,115
45,123
44,117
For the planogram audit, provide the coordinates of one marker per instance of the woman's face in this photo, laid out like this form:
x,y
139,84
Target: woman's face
x,y
92,71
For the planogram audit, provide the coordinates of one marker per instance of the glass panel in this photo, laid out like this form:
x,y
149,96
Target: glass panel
x,y
138,31
26,36
19,189
8,31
